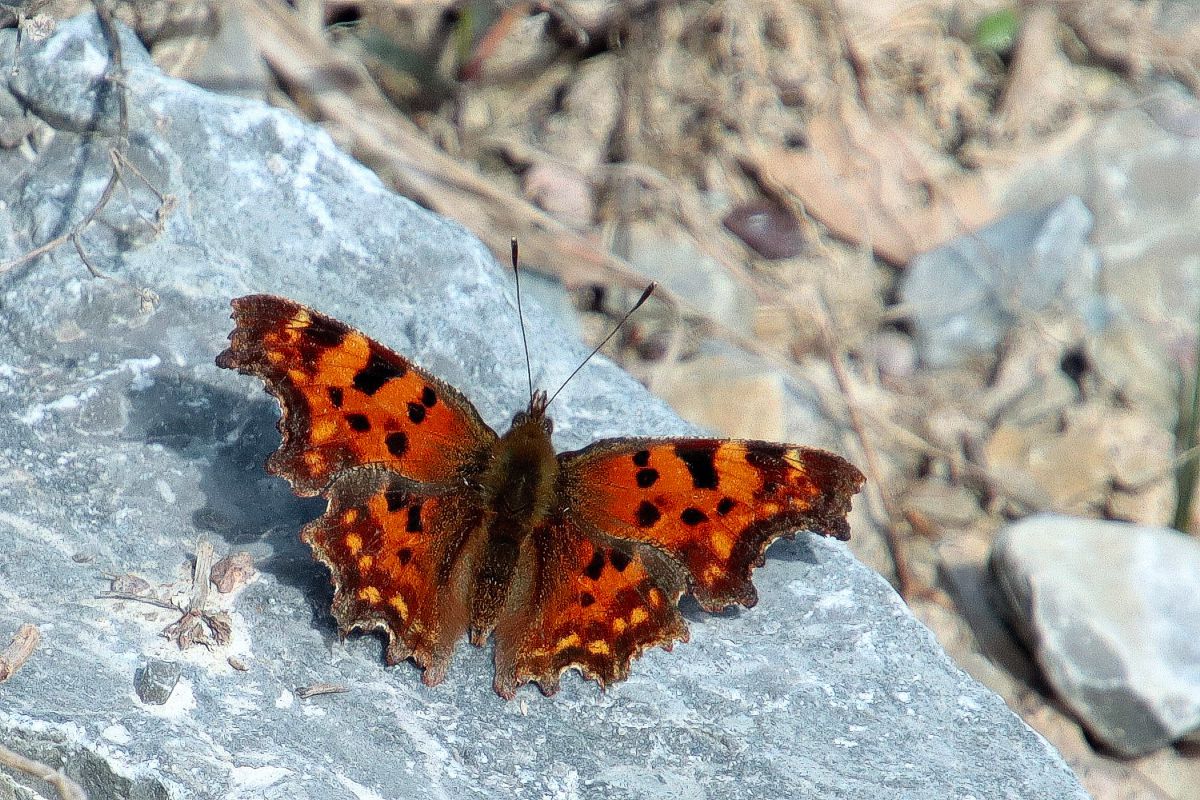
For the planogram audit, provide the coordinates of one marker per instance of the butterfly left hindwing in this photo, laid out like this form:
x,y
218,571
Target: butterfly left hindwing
x,y
395,551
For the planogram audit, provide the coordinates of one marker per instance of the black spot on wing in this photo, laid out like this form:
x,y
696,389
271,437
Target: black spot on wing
x,y
647,514
376,373
358,422
693,516
416,413
646,477
428,397
726,505
595,567
699,458
413,525
396,443
335,396
619,560
641,458
325,332
768,457
395,499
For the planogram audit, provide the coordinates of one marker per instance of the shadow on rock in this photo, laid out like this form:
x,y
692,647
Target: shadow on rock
x,y
233,436
798,549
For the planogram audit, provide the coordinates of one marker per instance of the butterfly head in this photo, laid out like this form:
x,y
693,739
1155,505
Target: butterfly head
x,y
535,415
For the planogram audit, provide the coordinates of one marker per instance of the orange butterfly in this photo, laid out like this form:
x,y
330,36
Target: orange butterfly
x,y
437,526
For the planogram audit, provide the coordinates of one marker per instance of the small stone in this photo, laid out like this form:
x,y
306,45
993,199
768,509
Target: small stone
x,y
1140,452
155,681
227,62
1127,358
232,571
561,192
1153,505
581,132
894,355
965,296
668,257
951,507
129,584
1070,468
767,229
1112,614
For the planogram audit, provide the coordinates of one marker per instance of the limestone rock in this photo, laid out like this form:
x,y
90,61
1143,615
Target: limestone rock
x,y
1112,614
828,687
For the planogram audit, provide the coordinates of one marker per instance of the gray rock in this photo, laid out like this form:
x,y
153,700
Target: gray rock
x,y
1137,170
963,297
668,258
120,438
155,681
1112,614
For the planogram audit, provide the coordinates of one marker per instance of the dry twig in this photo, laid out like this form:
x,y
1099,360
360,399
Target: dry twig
x,y
23,643
313,690
905,583
198,626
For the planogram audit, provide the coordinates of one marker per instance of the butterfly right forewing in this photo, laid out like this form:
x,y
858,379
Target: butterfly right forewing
x,y
713,505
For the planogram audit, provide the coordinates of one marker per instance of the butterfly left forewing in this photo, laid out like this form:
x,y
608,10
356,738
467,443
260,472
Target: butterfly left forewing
x,y
347,400
712,505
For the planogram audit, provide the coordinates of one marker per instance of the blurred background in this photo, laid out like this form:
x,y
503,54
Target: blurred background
x,y
956,240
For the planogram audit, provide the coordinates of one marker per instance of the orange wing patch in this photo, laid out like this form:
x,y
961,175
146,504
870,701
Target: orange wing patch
x,y
394,553
713,505
348,401
594,605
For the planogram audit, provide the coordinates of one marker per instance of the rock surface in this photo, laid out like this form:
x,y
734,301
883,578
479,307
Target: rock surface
x,y
1112,614
122,445
963,297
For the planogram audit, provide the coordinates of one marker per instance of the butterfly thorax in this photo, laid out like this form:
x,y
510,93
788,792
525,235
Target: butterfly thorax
x,y
520,476
518,490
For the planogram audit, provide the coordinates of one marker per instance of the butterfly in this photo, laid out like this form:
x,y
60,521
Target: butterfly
x,y
437,526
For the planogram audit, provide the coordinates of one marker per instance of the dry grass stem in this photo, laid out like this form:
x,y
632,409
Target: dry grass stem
x,y
67,789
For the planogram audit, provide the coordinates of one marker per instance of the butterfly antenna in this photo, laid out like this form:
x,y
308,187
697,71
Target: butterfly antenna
x,y
645,296
521,318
